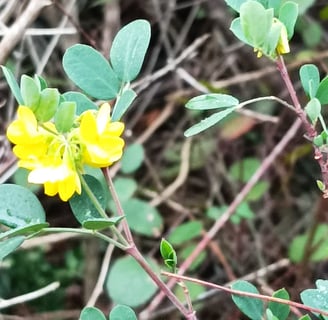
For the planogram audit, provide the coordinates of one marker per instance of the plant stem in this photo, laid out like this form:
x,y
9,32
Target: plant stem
x,y
309,128
118,205
134,252
101,211
86,232
246,294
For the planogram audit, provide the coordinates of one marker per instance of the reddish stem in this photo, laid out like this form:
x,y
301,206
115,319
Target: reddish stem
x,y
246,294
309,128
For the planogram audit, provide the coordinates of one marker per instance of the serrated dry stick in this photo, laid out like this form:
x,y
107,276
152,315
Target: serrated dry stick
x,y
16,32
267,162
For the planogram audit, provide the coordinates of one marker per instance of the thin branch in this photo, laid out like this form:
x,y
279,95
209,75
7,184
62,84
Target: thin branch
x,y
15,33
245,294
231,209
29,296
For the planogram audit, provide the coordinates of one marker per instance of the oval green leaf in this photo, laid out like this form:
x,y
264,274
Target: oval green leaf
x,y
90,71
49,100
133,157
208,122
13,85
19,206
28,229
100,223
212,101
92,313
251,307
317,298
121,312
129,48
9,245
127,273
65,116
288,14
143,218
313,110
81,205
310,79
322,92
185,232
123,103
82,102
30,92
279,310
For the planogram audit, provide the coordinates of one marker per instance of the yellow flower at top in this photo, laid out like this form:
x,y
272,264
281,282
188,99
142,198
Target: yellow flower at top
x,y
101,137
57,159
46,153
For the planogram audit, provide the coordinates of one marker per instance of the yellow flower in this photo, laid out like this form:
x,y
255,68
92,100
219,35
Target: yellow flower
x,y
49,155
56,159
58,177
101,137
283,43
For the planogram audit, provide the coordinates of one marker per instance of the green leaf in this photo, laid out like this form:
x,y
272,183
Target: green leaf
x,y
9,245
121,312
133,157
25,230
270,44
235,4
317,298
208,122
243,170
81,205
310,79
30,92
19,206
281,311
243,211
125,188
186,252
251,307
288,14
258,191
13,85
185,232
312,34
194,291
101,223
127,273
270,315
123,103
49,100
319,245
237,30
216,212
65,116
143,218
168,254
41,82
90,71
212,101
92,313
129,48
82,102
321,185
322,92
253,15
313,110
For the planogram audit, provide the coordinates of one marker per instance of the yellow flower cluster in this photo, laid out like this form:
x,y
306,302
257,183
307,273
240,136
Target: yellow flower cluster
x,y
57,159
